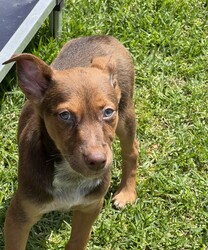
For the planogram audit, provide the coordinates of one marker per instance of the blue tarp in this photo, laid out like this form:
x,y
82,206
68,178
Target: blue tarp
x,y
12,14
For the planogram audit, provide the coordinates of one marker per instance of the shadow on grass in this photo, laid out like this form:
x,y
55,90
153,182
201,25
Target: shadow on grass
x,y
53,223
8,83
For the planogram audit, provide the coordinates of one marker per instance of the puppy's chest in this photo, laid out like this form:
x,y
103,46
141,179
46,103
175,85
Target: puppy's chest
x,y
70,189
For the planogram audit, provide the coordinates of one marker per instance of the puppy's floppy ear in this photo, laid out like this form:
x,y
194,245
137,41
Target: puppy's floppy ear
x,y
107,64
34,75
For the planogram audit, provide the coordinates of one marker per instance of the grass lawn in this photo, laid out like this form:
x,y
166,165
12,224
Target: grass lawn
x,y
168,40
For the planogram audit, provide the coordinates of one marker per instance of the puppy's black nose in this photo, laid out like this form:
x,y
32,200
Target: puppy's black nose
x,y
95,160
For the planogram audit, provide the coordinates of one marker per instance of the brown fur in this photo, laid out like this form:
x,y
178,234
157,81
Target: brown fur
x,y
66,130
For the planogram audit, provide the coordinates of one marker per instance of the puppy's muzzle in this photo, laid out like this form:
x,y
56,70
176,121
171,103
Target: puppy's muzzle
x,y
95,160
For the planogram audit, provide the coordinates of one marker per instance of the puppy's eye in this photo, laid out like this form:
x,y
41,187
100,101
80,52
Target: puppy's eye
x,y
108,113
65,115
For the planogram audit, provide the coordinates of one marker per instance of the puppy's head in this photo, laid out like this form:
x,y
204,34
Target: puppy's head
x,y
79,107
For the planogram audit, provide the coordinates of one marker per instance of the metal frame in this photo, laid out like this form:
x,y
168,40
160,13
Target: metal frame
x,y
28,29
55,19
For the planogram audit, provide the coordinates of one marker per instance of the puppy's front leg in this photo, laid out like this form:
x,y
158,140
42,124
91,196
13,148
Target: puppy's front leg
x,y
126,132
82,220
20,217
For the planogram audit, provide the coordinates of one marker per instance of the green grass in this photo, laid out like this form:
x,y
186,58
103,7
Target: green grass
x,y
168,40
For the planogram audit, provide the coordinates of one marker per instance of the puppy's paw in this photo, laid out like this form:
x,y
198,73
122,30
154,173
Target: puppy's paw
x,y
123,197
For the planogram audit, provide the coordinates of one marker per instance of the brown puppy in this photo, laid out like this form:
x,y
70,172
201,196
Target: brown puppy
x,y
66,130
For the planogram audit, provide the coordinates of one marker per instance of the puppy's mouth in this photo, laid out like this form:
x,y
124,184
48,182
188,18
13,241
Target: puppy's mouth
x,y
90,169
